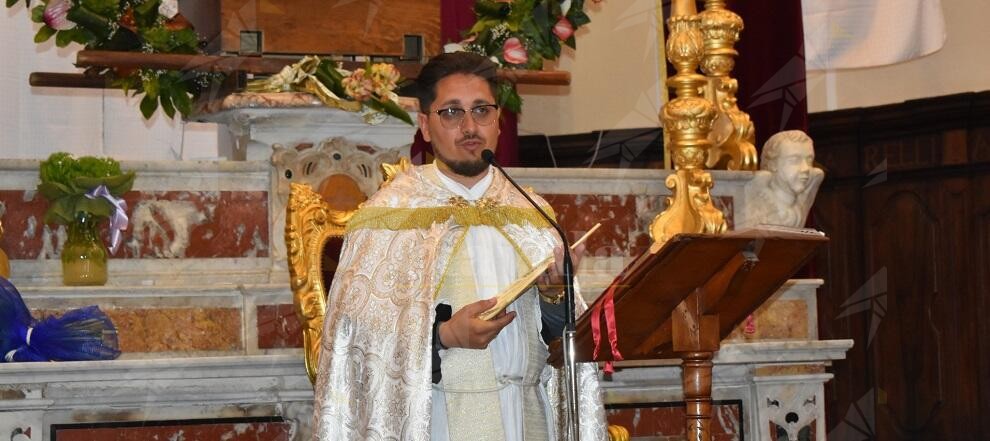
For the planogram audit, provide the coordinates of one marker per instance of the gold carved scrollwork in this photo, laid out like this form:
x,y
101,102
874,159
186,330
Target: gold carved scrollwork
x,y
4,262
733,136
310,222
688,119
390,171
689,209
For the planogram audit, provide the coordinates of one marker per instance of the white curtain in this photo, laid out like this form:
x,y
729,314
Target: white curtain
x,y
34,122
842,34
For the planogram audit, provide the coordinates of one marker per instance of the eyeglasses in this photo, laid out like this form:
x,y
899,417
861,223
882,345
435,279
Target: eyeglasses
x,y
452,117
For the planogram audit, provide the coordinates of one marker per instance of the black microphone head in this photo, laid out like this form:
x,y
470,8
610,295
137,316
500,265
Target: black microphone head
x,y
488,156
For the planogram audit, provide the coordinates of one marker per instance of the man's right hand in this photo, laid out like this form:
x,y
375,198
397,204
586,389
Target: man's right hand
x,y
466,330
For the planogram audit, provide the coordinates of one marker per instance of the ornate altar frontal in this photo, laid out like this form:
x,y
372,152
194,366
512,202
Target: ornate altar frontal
x,y
387,28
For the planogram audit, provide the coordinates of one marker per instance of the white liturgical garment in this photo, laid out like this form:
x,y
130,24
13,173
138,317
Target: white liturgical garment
x,y
494,262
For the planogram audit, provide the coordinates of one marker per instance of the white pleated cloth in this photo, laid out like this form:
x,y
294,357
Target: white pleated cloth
x,y
493,260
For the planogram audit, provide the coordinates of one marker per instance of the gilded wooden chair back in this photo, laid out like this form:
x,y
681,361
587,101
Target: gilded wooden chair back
x,y
310,223
4,263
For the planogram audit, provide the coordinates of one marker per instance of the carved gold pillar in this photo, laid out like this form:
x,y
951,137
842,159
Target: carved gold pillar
x,y
688,120
4,262
733,135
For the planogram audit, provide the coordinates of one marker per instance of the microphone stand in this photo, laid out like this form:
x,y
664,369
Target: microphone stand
x,y
569,347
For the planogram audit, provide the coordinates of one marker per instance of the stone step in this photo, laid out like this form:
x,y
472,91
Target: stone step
x,y
185,321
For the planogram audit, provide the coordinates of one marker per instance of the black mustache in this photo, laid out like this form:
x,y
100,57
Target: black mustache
x,y
470,138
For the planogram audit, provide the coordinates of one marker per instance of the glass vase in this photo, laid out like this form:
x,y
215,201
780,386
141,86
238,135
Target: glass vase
x,y
84,258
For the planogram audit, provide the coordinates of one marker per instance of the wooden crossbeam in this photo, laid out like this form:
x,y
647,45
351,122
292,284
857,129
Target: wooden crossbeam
x,y
272,65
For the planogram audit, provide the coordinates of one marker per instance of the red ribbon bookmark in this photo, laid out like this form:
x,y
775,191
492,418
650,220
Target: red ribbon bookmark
x,y
613,336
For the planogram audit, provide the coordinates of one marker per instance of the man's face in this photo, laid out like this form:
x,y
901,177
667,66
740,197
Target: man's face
x,y
458,149
793,165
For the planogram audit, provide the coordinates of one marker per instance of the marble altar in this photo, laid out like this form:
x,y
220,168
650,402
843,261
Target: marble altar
x,y
206,319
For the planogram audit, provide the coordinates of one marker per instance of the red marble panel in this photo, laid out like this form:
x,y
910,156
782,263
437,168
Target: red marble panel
x,y
23,224
252,431
625,220
667,420
170,224
578,213
279,327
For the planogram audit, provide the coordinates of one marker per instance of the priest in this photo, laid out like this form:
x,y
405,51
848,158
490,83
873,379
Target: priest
x,y
404,355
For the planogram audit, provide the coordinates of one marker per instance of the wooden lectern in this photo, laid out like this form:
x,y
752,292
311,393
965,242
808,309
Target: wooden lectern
x,y
681,300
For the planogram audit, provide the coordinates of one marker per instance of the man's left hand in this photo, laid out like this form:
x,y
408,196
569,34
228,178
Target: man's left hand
x,y
552,281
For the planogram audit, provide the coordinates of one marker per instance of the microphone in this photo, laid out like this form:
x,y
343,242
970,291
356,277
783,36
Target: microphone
x,y
569,342
489,157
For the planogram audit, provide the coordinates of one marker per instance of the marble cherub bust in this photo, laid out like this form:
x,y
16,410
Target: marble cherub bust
x,y
782,191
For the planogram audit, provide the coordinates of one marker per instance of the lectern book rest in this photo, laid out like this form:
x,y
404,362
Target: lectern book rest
x,y
693,282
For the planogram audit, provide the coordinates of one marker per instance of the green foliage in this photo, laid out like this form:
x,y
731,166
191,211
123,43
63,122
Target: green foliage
x,y
44,33
145,14
38,14
328,74
508,98
530,21
66,180
105,8
132,25
390,108
164,40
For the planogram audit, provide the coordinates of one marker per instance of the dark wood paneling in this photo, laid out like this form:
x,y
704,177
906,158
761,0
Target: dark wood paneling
x,y
980,283
923,346
624,148
843,275
906,203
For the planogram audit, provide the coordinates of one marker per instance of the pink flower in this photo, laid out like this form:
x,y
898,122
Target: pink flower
x,y
55,15
357,85
513,51
384,75
563,29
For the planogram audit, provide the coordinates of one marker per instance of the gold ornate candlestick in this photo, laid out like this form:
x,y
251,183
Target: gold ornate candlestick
x,y
688,120
733,135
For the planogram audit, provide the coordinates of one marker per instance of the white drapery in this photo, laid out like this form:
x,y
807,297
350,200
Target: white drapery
x,y
843,34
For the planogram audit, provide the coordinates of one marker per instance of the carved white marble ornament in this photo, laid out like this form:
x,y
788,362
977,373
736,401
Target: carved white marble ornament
x,y
783,190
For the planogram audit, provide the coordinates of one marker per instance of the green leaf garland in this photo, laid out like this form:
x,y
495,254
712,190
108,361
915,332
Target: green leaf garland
x,y
532,23
132,25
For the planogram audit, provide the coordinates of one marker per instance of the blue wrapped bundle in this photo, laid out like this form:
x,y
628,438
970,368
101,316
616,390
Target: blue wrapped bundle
x,y
80,334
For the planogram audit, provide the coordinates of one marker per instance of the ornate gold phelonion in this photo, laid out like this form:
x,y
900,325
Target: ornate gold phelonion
x,y
733,135
309,222
688,120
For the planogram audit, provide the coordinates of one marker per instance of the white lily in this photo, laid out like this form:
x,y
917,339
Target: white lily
x,y
169,8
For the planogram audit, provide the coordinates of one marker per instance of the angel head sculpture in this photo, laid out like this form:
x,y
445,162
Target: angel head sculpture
x,y
783,190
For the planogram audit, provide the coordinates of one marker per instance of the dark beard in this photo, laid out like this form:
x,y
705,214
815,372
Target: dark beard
x,y
468,169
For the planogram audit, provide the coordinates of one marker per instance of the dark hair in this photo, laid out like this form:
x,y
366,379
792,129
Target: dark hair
x,y
445,65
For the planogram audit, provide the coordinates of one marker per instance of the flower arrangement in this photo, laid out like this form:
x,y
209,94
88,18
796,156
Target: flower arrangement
x,y
151,26
78,334
522,34
88,185
370,90
81,193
